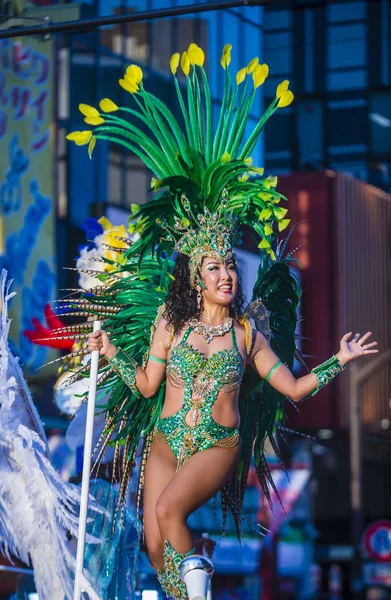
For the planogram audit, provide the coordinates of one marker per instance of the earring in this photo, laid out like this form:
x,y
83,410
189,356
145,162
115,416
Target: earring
x,y
199,300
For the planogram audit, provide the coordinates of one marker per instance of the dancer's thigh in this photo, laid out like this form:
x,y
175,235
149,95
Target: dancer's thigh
x,y
198,480
159,472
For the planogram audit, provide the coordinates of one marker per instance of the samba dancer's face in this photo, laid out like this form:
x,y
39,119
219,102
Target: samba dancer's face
x,y
220,280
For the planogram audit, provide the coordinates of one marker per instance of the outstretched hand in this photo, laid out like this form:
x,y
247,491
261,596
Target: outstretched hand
x,y
355,347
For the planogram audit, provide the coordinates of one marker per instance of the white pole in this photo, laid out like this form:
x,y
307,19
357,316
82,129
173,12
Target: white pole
x,y
85,485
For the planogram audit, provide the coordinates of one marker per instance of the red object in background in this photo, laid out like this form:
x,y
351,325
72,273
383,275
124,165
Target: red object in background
x,y
310,203
40,335
344,232
377,541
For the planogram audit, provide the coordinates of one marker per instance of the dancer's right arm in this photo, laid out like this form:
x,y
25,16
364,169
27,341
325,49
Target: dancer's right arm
x,y
148,380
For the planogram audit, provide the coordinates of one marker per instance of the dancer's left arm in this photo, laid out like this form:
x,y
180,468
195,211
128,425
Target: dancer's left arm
x,y
267,363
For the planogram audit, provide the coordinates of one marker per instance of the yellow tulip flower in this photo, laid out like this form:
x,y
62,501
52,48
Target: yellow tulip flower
x,y
132,88
196,55
259,75
248,161
226,56
281,88
225,157
252,64
185,63
240,76
91,146
88,111
134,74
81,138
225,60
94,120
107,105
174,62
286,99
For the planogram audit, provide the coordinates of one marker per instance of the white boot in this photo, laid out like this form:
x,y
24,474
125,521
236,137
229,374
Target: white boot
x,y
196,572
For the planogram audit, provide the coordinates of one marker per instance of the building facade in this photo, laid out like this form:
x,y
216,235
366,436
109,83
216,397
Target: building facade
x,y
337,55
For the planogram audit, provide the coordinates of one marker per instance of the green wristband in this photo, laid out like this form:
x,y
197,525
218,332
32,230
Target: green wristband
x,y
326,372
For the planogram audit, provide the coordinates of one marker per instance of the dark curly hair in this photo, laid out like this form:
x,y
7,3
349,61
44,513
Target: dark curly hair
x,y
181,302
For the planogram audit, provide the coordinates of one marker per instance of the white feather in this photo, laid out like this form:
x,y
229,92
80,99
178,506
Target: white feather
x,y
37,508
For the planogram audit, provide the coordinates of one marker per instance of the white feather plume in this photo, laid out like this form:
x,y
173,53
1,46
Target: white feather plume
x,y
37,508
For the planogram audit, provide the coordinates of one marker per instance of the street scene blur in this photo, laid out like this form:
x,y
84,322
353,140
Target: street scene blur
x,y
327,532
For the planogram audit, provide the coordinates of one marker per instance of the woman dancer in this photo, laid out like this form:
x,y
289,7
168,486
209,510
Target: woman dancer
x,y
185,389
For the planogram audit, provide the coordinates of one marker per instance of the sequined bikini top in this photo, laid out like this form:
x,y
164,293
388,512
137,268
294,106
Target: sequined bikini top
x,y
221,371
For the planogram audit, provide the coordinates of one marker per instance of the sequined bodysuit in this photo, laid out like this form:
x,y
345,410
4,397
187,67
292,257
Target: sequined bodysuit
x,y
193,428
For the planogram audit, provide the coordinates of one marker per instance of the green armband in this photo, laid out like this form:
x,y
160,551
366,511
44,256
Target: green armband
x,y
272,370
126,367
326,372
157,359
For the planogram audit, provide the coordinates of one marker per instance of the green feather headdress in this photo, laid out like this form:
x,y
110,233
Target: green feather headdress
x,y
200,161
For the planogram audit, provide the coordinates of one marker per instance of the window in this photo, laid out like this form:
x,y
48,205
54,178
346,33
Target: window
x,y
345,125
277,19
346,46
380,123
385,17
346,11
309,55
347,80
310,134
278,52
128,179
278,138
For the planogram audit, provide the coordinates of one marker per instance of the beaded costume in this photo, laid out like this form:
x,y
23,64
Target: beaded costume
x,y
193,428
205,187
